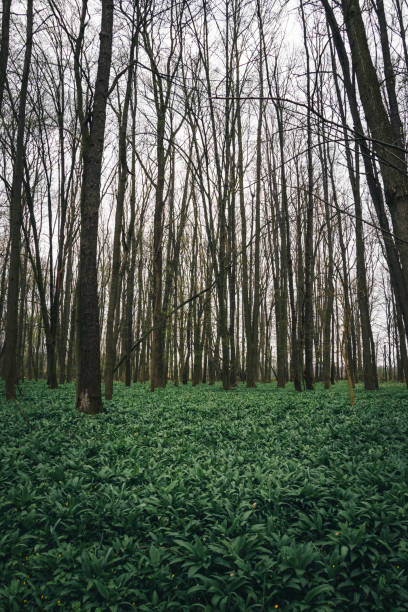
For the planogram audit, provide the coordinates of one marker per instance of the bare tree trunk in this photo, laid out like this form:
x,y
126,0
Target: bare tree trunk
x,y
3,283
10,349
396,273
402,343
295,357
387,132
30,352
252,361
347,352
232,277
308,301
89,397
130,283
22,319
66,308
162,90
158,337
369,365
300,284
4,46
246,304
110,351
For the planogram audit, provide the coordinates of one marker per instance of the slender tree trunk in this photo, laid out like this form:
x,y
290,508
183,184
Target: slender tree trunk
x,y
232,277
30,352
300,283
308,301
158,337
346,343
4,47
198,345
130,288
63,329
10,349
253,345
369,365
22,319
110,351
246,304
3,284
176,354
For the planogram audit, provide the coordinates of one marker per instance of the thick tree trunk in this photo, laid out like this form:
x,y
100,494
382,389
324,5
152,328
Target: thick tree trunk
x,y
388,145
89,397
402,343
396,273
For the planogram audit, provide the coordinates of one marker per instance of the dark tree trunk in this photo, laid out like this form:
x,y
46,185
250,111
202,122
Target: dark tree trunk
x,y
4,46
369,365
113,304
130,288
30,352
159,329
89,397
22,323
3,283
66,308
388,141
308,299
397,278
10,348
402,344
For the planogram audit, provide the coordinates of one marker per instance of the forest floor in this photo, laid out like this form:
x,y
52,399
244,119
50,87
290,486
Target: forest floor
x,y
199,499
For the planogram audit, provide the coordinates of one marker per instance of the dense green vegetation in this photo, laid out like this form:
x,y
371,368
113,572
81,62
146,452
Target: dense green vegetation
x,y
197,499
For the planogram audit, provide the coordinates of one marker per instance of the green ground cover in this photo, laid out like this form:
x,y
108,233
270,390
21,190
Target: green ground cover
x,y
198,499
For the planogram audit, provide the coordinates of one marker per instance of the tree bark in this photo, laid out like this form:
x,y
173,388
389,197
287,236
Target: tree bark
x,y
10,349
4,47
369,365
110,351
89,397
308,299
388,141
396,272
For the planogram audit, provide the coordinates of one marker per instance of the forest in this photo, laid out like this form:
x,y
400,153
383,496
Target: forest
x,y
203,304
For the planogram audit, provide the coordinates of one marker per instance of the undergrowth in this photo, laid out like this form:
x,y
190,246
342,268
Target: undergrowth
x,y
199,499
